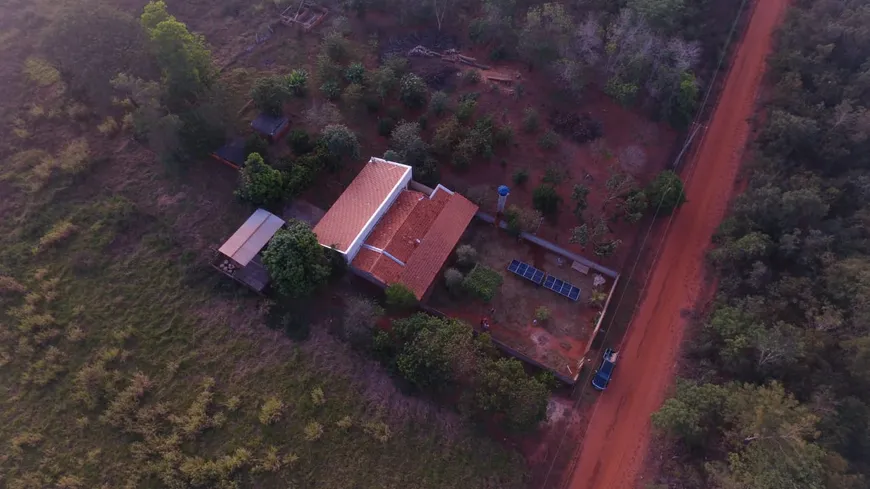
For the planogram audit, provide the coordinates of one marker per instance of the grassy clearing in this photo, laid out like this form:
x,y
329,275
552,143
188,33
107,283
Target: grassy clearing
x,y
125,364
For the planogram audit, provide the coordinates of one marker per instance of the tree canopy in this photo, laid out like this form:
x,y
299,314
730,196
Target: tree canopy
x,y
182,56
786,339
259,183
295,260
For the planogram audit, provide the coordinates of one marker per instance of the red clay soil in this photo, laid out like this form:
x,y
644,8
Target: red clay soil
x,y
615,445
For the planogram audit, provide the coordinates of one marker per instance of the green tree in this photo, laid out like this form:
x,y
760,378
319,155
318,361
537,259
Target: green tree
x,y
579,195
295,260
694,413
407,143
412,91
622,91
546,33
546,199
681,108
482,282
503,386
439,103
666,192
341,142
355,73
521,219
634,206
259,183
447,135
270,94
580,235
771,438
665,15
182,56
433,351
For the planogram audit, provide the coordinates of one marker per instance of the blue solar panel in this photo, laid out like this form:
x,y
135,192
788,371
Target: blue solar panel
x,y
562,288
526,271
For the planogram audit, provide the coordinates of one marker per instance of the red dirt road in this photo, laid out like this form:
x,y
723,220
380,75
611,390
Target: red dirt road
x,y
615,445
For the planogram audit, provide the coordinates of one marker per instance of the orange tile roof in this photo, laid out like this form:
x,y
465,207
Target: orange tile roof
x,y
358,203
437,223
387,227
425,263
415,227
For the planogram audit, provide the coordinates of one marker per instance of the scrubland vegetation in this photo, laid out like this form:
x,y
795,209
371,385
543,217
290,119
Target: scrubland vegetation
x,y
780,396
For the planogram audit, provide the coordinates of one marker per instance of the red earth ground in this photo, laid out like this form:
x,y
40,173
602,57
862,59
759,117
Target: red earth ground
x,y
615,444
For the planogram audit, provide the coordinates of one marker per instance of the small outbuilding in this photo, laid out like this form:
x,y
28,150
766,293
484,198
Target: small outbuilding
x,y
231,154
271,127
239,257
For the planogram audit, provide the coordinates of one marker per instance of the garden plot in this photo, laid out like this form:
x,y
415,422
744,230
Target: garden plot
x,y
533,322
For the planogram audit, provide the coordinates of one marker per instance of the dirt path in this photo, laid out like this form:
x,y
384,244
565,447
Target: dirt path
x,y
616,442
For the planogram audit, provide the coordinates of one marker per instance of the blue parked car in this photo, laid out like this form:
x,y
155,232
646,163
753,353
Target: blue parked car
x,y
605,371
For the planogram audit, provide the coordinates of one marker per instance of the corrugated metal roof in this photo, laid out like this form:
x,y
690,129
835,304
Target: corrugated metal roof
x,y
249,239
268,124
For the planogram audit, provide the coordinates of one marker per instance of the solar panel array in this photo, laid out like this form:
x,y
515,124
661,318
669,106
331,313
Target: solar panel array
x,y
526,271
562,288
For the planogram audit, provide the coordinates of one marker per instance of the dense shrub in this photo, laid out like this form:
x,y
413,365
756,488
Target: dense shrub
x,y
482,282
259,183
465,110
439,103
297,82
412,91
502,386
355,73
341,142
331,90
466,255
300,142
433,351
447,135
546,199
471,77
360,316
520,176
521,220
400,297
453,280
549,141
666,193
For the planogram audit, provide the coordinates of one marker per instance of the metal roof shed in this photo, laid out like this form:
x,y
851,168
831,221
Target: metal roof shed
x,y
273,127
232,153
239,258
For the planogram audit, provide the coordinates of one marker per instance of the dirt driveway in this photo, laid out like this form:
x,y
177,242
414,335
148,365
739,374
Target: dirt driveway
x,y
615,445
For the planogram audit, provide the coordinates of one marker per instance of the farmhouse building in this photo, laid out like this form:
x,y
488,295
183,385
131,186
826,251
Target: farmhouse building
x,y
391,229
